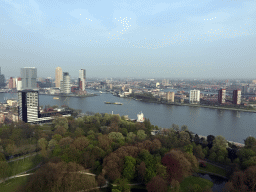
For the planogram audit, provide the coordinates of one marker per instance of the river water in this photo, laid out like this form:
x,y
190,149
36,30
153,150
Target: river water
x,y
233,125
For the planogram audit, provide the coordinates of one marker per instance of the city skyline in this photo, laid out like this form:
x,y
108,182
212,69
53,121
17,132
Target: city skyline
x,y
146,39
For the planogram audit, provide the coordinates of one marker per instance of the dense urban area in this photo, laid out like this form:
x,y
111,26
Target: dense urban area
x,y
57,148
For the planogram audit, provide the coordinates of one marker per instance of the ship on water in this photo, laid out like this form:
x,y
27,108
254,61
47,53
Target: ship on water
x,y
115,103
140,117
55,97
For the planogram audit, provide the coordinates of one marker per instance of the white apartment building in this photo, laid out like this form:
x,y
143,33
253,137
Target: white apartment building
x,y
194,96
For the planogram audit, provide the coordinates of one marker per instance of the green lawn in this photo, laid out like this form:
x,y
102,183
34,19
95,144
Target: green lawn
x,y
20,166
194,180
213,169
13,184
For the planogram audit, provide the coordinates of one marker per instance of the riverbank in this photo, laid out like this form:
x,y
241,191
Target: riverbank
x,y
78,96
213,107
195,105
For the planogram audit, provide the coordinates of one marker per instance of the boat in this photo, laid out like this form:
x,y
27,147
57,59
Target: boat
x,y
118,103
115,103
140,117
55,97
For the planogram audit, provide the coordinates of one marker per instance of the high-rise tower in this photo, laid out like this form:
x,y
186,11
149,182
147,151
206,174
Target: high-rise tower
x,y
2,80
237,97
58,77
65,84
28,77
222,96
28,108
81,79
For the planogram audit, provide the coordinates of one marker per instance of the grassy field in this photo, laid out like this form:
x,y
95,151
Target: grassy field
x,y
17,167
13,184
20,166
194,180
213,169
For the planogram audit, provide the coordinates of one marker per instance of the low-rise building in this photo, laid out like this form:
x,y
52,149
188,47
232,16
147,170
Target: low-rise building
x,y
11,102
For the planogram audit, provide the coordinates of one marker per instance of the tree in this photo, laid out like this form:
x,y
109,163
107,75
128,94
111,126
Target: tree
x,y
237,182
193,161
43,144
210,139
57,137
251,178
188,149
60,177
219,143
81,143
175,186
4,170
250,142
141,135
52,143
104,142
155,145
141,171
184,128
79,132
173,167
184,138
161,171
212,156
122,185
124,131
101,180
131,137
116,136
194,188
60,122
245,154
175,127
157,184
249,162
65,142
198,152
129,168
11,149
2,157
197,139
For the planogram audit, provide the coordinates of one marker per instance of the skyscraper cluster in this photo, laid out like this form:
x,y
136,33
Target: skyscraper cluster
x,y
28,104
236,96
28,96
63,81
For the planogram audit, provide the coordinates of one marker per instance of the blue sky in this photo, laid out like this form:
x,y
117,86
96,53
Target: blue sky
x,y
151,39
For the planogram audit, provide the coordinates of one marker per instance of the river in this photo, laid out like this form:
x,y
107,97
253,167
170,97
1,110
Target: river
x,y
233,125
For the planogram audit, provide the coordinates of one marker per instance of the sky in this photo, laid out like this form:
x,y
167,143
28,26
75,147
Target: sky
x,y
136,39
